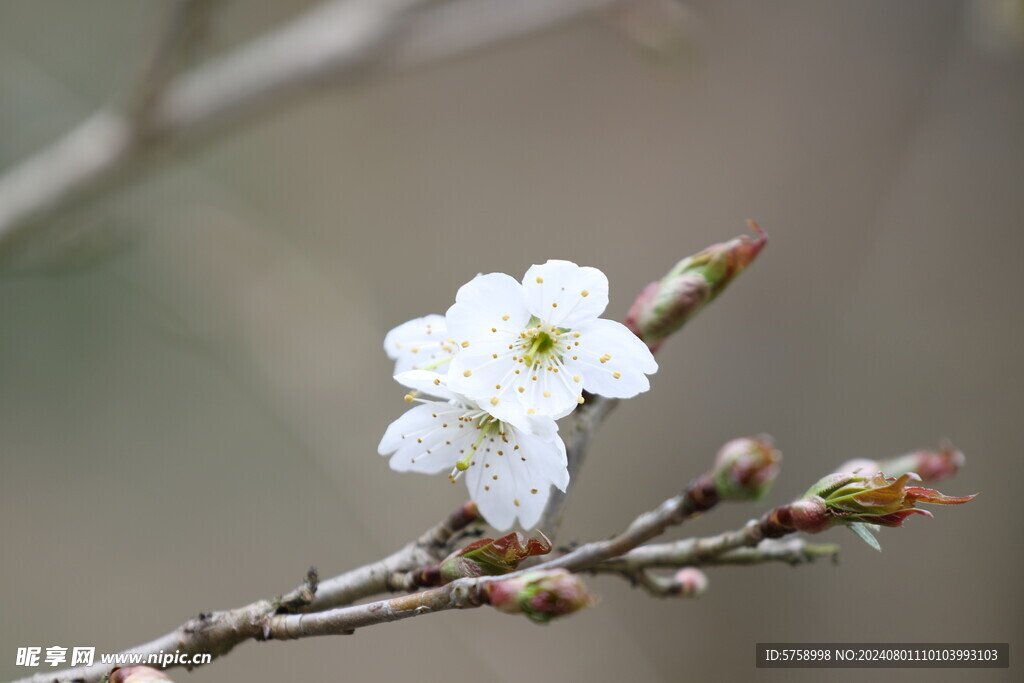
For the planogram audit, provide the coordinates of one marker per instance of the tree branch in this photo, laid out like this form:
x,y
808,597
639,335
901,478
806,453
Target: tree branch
x,y
740,547
460,594
792,551
184,26
337,39
373,579
217,633
334,38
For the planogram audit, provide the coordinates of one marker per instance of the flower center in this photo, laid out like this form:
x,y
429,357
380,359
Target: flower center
x,y
540,346
541,343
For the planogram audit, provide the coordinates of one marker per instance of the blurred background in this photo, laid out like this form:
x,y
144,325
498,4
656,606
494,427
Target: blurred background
x,y
192,391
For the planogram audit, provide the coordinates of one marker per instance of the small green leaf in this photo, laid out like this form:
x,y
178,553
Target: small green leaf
x,y
861,530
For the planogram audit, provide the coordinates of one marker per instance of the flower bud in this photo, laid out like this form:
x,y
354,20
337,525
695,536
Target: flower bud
x,y
492,557
689,582
929,465
809,515
746,468
138,674
541,595
667,304
882,500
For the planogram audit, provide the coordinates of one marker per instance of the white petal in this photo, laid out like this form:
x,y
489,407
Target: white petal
x,y
427,382
486,305
508,390
549,460
626,360
486,375
565,294
517,481
419,342
429,438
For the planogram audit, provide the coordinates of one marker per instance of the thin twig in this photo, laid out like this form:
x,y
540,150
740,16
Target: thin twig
x,y
372,579
792,551
698,497
740,547
332,39
460,594
337,39
185,23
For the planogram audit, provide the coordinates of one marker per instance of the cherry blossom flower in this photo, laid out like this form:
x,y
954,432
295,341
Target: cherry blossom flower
x,y
532,348
420,344
509,471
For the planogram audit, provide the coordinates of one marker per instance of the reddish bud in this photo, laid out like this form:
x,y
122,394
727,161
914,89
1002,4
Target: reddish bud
x,y
882,500
138,674
492,557
667,304
929,465
689,582
809,515
541,595
746,468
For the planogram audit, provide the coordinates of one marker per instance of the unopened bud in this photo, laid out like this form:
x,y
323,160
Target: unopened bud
x,y
541,595
138,674
689,582
929,465
862,503
886,501
746,468
809,515
492,557
667,304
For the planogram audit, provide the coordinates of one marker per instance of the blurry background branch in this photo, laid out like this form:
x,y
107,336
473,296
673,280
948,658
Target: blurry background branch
x,y
328,44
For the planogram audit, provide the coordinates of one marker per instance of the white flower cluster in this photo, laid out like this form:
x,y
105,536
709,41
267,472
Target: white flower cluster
x,y
494,373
